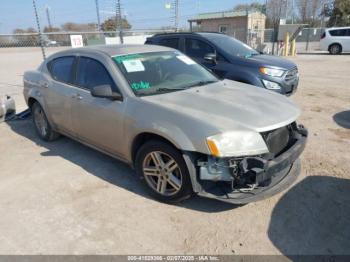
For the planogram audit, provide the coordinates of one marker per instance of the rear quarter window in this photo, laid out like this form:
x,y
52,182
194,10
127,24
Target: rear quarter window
x,y
61,68
338,32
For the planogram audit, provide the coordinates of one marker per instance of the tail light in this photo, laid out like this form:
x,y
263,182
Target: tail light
x,y
323,35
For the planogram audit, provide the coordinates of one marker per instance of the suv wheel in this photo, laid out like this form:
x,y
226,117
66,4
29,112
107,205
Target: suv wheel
x,y
41,123
164,171
335,49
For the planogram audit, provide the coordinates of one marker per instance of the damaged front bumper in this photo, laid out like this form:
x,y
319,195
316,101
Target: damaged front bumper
x,y
250,179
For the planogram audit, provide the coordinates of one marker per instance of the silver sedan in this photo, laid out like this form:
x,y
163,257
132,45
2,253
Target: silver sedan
x,y
184,131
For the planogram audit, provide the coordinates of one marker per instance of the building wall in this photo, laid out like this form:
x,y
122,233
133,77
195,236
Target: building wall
x,y
256,26
249,29
236,26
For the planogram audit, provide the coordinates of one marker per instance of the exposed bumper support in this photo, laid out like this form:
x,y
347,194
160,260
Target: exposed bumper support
x,y
278,173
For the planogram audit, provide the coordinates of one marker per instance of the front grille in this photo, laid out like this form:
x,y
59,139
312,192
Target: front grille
x,y
278,140
291,75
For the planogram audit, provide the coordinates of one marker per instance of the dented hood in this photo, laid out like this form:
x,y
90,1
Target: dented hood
x,y
229,105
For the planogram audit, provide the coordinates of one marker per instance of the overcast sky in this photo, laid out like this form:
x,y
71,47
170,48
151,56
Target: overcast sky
x,y
142,14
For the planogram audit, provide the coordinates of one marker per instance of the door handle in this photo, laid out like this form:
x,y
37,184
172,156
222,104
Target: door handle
x,y
77,96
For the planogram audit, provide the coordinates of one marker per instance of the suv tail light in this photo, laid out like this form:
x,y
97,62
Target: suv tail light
x,y
323,35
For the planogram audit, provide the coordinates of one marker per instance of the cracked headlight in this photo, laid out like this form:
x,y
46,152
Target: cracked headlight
x,y
274,72
236,143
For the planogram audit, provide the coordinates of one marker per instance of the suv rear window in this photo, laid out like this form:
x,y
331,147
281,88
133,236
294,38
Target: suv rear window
x,y
170,42
61,68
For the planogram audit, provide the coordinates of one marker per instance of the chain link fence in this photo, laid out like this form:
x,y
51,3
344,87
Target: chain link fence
x,y
308,40
58,39
262,40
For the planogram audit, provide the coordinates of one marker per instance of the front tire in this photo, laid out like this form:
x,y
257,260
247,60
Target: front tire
x,y
335,49
42,125
164,171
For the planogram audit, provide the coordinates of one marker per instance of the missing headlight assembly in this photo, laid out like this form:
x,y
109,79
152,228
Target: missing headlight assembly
x,y
251,174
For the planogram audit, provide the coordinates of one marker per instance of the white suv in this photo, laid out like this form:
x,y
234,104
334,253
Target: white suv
x,y
336,40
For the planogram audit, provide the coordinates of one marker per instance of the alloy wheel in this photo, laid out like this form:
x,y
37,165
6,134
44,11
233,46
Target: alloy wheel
x,y
335,49
162,173
40,121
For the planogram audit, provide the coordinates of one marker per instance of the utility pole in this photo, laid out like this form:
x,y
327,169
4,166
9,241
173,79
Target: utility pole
x,y
98,16
39,30
118,20
323,22
47,9
176,15
292,11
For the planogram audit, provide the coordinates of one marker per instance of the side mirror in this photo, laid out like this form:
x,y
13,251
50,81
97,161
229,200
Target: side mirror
x,y
211,57
105,91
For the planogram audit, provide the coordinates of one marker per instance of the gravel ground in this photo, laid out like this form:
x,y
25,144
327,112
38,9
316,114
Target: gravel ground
x,y
64,198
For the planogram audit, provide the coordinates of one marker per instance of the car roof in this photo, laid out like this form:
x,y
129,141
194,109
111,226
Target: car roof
x,y
335,28
115,50
203,33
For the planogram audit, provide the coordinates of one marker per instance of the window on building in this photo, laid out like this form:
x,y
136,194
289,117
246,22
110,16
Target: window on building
x,y
223,29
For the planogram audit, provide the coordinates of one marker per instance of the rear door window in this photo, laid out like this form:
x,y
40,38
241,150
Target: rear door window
x,y
92,73
197,48
170,42
61,69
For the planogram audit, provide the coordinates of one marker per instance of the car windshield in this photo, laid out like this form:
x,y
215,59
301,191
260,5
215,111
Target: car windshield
x,y
231,45
161,72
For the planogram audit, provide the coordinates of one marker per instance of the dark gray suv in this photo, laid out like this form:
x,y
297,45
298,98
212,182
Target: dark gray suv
x,y
229,58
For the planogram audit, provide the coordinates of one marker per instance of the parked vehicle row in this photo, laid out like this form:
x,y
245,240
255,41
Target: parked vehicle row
x,y
229,58
336,40
183,129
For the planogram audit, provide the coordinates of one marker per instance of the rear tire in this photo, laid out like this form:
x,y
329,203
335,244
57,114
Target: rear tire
x,y
42,125
164,172
335,49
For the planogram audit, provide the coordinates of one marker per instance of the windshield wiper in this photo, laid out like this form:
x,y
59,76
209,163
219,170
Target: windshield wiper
x,y
202,83
251,55
164,89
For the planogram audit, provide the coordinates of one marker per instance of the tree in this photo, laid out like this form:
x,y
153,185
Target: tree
x,y
26,37
110,24
310,11
51,29
255,6
275,9
54,37
340,13
75,27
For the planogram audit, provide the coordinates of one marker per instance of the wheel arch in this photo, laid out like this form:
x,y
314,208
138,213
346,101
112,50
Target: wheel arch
x,y
31,101
250,79
142,138
39,99
335,43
